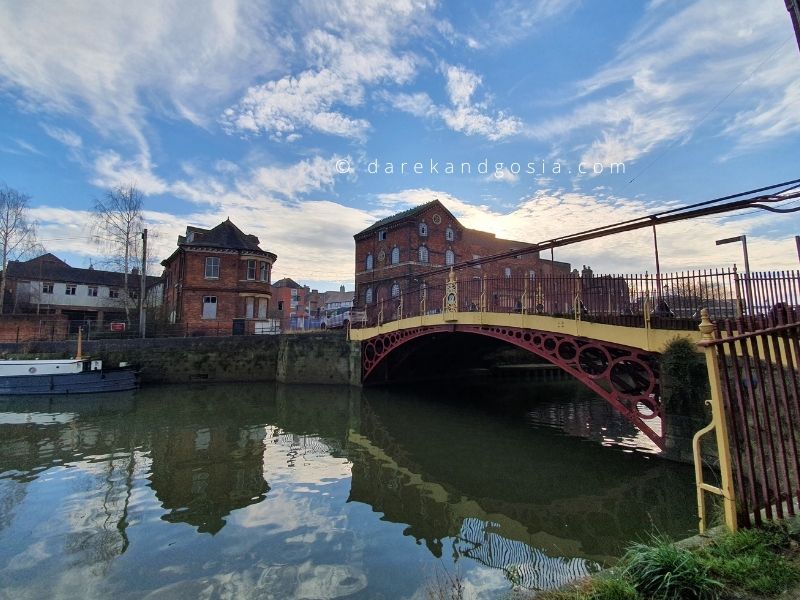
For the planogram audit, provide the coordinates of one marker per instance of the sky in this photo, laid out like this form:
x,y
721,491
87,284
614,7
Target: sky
x,y
306,121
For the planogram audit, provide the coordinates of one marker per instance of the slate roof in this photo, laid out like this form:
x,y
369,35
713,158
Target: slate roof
x,y
225,235
49,267
402,216
287,282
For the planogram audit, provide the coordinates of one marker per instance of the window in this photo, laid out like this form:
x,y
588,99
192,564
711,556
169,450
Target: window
x,y
368,296
382,235
210,307
395,290
423,254
263,306
395,255
476,257
212,268
508,271
369,262
449,234
250,304
72,289
47,287
423,229
263,276
532,274
449,257
113,293
92,291
251,270
133,294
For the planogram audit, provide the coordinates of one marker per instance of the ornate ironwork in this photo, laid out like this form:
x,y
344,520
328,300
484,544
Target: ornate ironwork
x,y
625,377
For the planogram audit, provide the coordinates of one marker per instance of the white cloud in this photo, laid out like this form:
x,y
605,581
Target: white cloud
x,y
65,136
349,47
708,64
464,114
108,61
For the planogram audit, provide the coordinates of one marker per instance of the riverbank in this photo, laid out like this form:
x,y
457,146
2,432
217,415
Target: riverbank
x,y
752,564
313,358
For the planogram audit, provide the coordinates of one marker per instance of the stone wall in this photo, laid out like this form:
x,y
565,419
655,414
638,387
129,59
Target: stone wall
x,y
323,358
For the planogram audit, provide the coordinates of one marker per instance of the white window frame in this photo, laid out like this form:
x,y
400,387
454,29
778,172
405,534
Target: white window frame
x,y
92,291
251,270
47,287
370,262
449,234
264,272
395,290
395,255
449,257
368,296
212,265
113,292
71,289
423,254
423,229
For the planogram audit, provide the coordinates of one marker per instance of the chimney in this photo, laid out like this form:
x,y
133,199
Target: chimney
x,y
341,288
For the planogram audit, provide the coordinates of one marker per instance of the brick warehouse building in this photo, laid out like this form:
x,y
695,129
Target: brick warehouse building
x,y
394,254
218,280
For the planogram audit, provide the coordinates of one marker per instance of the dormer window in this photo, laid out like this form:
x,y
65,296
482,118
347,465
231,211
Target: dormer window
x,y
449,234
423,229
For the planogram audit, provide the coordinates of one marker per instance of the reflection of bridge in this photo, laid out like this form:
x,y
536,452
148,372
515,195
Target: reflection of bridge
x,y
606,331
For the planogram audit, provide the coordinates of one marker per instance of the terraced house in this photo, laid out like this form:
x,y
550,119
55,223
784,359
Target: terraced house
x,y
218,281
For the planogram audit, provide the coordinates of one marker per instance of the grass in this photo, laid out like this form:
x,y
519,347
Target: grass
x,y
751,563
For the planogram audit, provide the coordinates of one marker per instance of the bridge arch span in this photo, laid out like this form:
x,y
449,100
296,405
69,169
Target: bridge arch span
x,y
625,377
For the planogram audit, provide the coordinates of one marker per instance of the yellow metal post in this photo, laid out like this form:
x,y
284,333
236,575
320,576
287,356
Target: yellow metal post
x,y
720,426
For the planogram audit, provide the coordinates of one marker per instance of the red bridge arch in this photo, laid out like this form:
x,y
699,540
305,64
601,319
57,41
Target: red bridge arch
x,y
626,377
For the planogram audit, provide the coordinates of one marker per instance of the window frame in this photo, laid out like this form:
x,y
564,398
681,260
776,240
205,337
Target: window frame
x,y
449,257
449,234
47,287
71,289
92,291
212,262
369,262
395,257
423,229
113,292
251,271
368,296
210,300
423,254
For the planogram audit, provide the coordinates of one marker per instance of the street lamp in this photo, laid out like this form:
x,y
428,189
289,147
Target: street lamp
x,y
743,239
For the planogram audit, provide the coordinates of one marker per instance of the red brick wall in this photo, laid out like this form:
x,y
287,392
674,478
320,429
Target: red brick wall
x,y
25,328
467,243
187,268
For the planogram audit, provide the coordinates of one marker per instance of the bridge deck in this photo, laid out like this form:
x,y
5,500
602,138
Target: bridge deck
x,y
644,338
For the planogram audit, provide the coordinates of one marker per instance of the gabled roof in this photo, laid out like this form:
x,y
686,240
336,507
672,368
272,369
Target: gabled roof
x,y
287,282
225,235
403,216
48,267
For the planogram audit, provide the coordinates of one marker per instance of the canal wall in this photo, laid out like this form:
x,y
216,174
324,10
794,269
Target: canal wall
x,y
316,358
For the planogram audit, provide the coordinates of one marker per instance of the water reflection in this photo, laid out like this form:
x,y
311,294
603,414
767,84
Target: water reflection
x,y
302,491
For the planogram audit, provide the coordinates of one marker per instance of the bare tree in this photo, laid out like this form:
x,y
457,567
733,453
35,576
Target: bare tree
x,y
17,231
117,227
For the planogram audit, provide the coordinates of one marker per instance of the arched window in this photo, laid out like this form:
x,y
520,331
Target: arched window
x,y
395,290
395,255
449,257
423,229
449,234
369,262
423,254
368,296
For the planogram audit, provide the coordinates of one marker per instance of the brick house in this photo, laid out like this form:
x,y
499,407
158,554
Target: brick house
x,y
394,255
218,281
292,302
46,285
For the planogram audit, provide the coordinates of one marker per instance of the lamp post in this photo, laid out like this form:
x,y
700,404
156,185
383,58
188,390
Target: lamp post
x,y
743,239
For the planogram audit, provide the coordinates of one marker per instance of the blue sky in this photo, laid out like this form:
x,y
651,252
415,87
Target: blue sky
x,y
286,116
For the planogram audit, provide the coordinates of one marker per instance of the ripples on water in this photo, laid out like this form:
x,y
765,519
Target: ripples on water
x,y
265,491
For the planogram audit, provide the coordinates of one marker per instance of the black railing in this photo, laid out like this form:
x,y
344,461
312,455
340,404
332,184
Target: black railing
x,y
667,301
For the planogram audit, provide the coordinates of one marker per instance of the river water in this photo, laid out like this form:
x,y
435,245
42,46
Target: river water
x,y
277,491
